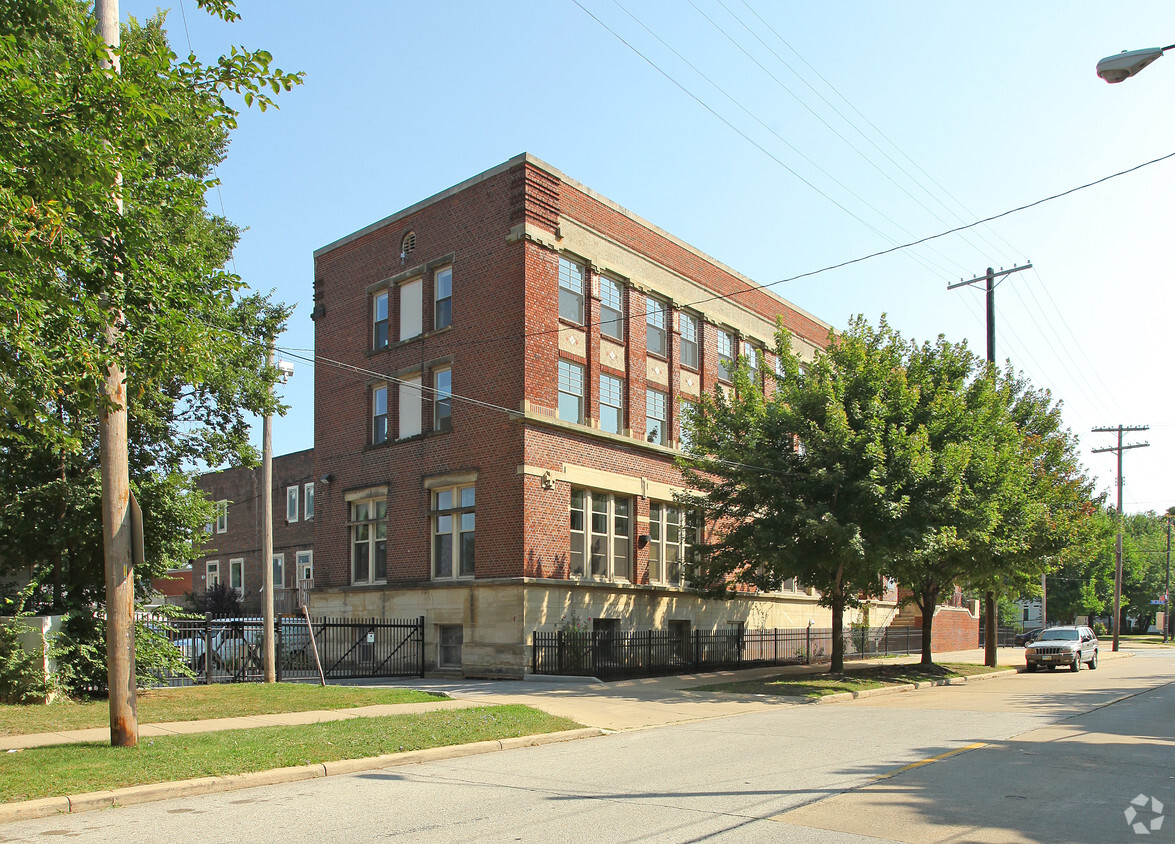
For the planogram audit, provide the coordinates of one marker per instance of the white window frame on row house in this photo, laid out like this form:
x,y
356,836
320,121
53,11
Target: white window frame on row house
x,y
442,379
601,525
571,391
304,561
369,539
308,501
689,340
726,349
454,531
611,403
222,516
443,298
379,320
656,417
411,409
379,414
411,308
279,571
572,276
211,573
292,496
656,326
612,309
236,574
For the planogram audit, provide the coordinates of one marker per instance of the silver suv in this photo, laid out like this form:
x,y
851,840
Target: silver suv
x,y
1062,646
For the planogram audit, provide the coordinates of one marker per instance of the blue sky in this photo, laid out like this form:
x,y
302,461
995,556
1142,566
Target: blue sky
x,y
928,114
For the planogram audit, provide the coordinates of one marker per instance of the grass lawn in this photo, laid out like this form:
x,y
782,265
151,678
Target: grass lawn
x,y
853,680
81,768
1142,639
196,703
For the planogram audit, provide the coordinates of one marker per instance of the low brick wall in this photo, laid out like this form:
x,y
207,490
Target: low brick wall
x,y
955,629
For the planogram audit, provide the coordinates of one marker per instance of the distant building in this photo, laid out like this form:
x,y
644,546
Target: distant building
x,y
232,553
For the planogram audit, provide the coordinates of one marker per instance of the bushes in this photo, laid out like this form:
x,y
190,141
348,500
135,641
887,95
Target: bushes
x,y
22,674
80,651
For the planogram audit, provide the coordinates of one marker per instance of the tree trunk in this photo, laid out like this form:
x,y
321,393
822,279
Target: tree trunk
x,y
990,620
838,638
927,601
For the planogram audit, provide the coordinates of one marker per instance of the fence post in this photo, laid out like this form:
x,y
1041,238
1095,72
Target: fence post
x,y
534,652
887,641
278,655
649,651
808,649
208,649
558,651
420,627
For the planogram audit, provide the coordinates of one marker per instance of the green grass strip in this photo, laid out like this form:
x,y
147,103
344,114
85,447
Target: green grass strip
x,y
80,768
852,680
197,703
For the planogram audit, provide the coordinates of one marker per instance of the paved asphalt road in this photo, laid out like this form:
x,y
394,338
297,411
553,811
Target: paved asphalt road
x,y
1062,755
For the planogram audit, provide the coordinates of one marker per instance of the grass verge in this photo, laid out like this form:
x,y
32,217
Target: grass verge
x,y
80,768
853,680
197,703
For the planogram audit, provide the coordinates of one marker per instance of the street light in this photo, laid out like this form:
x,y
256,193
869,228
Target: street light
x,y
1126,64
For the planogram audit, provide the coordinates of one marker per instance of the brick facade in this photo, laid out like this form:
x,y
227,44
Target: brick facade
x,y
502,235
241,488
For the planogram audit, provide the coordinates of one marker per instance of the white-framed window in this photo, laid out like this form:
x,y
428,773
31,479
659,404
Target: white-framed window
x,y
411,308
601,544
656,416
410,407
570,391
752,355
611,404
308,501
212,573
779,366
571,277
612,308
379,414
656,313
236,574
443,312
453,530
672,536
725,354
379,307
369,541
450,637
304,560
684,414
222,516
442,399
292,503
279,571
689,340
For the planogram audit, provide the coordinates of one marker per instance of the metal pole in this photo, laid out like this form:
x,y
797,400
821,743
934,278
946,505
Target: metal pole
x,y
267,538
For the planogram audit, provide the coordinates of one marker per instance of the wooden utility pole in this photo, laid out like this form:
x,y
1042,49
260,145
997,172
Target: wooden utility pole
x,y
1119,448
116,486
989,610
1167,588
267,540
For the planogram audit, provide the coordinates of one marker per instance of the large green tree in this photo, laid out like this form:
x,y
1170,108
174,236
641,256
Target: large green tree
x,y
809,481
192,339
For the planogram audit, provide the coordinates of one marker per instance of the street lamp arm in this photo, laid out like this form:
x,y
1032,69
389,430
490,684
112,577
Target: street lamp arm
x,y
1128,63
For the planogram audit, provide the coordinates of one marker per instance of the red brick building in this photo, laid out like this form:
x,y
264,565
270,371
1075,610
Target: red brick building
x,y
232,553
500,373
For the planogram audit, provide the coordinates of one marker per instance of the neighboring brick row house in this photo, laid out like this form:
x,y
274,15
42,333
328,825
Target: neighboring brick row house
x,y
232,554
501,371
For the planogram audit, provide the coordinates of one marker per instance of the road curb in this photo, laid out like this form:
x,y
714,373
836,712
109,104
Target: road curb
x,y
151,792
840,697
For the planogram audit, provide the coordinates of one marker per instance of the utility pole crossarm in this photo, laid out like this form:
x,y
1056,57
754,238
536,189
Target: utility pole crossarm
x,y
994,275
1117,447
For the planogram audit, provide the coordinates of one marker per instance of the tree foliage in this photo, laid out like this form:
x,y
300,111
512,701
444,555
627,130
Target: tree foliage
x,y
73,139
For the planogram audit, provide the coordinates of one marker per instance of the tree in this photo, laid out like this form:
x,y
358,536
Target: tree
x,y
810,480
190,339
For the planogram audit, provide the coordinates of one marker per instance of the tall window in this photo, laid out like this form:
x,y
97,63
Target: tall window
x,y
279,571
779,366
292,503
570,391
379,414
683,422
656,406
411,304
672,534
369,541
571,290
212,571
444,306
453,523
305,562
236,574
752,354
410,397
380,308
308,496
604,536
443,400
725,354
222,516
611,309
611,404
689,341
655,318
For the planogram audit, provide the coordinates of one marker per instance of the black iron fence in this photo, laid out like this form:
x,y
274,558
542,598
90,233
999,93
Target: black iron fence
x,y
1004,636
230,650
613,656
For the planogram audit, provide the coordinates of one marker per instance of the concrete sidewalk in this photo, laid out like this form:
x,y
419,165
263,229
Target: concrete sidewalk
x,y
247,722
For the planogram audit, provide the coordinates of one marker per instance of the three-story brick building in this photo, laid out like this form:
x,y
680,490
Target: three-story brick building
x,y
500,376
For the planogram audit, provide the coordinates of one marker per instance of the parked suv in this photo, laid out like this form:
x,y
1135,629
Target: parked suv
x,y
1062,646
